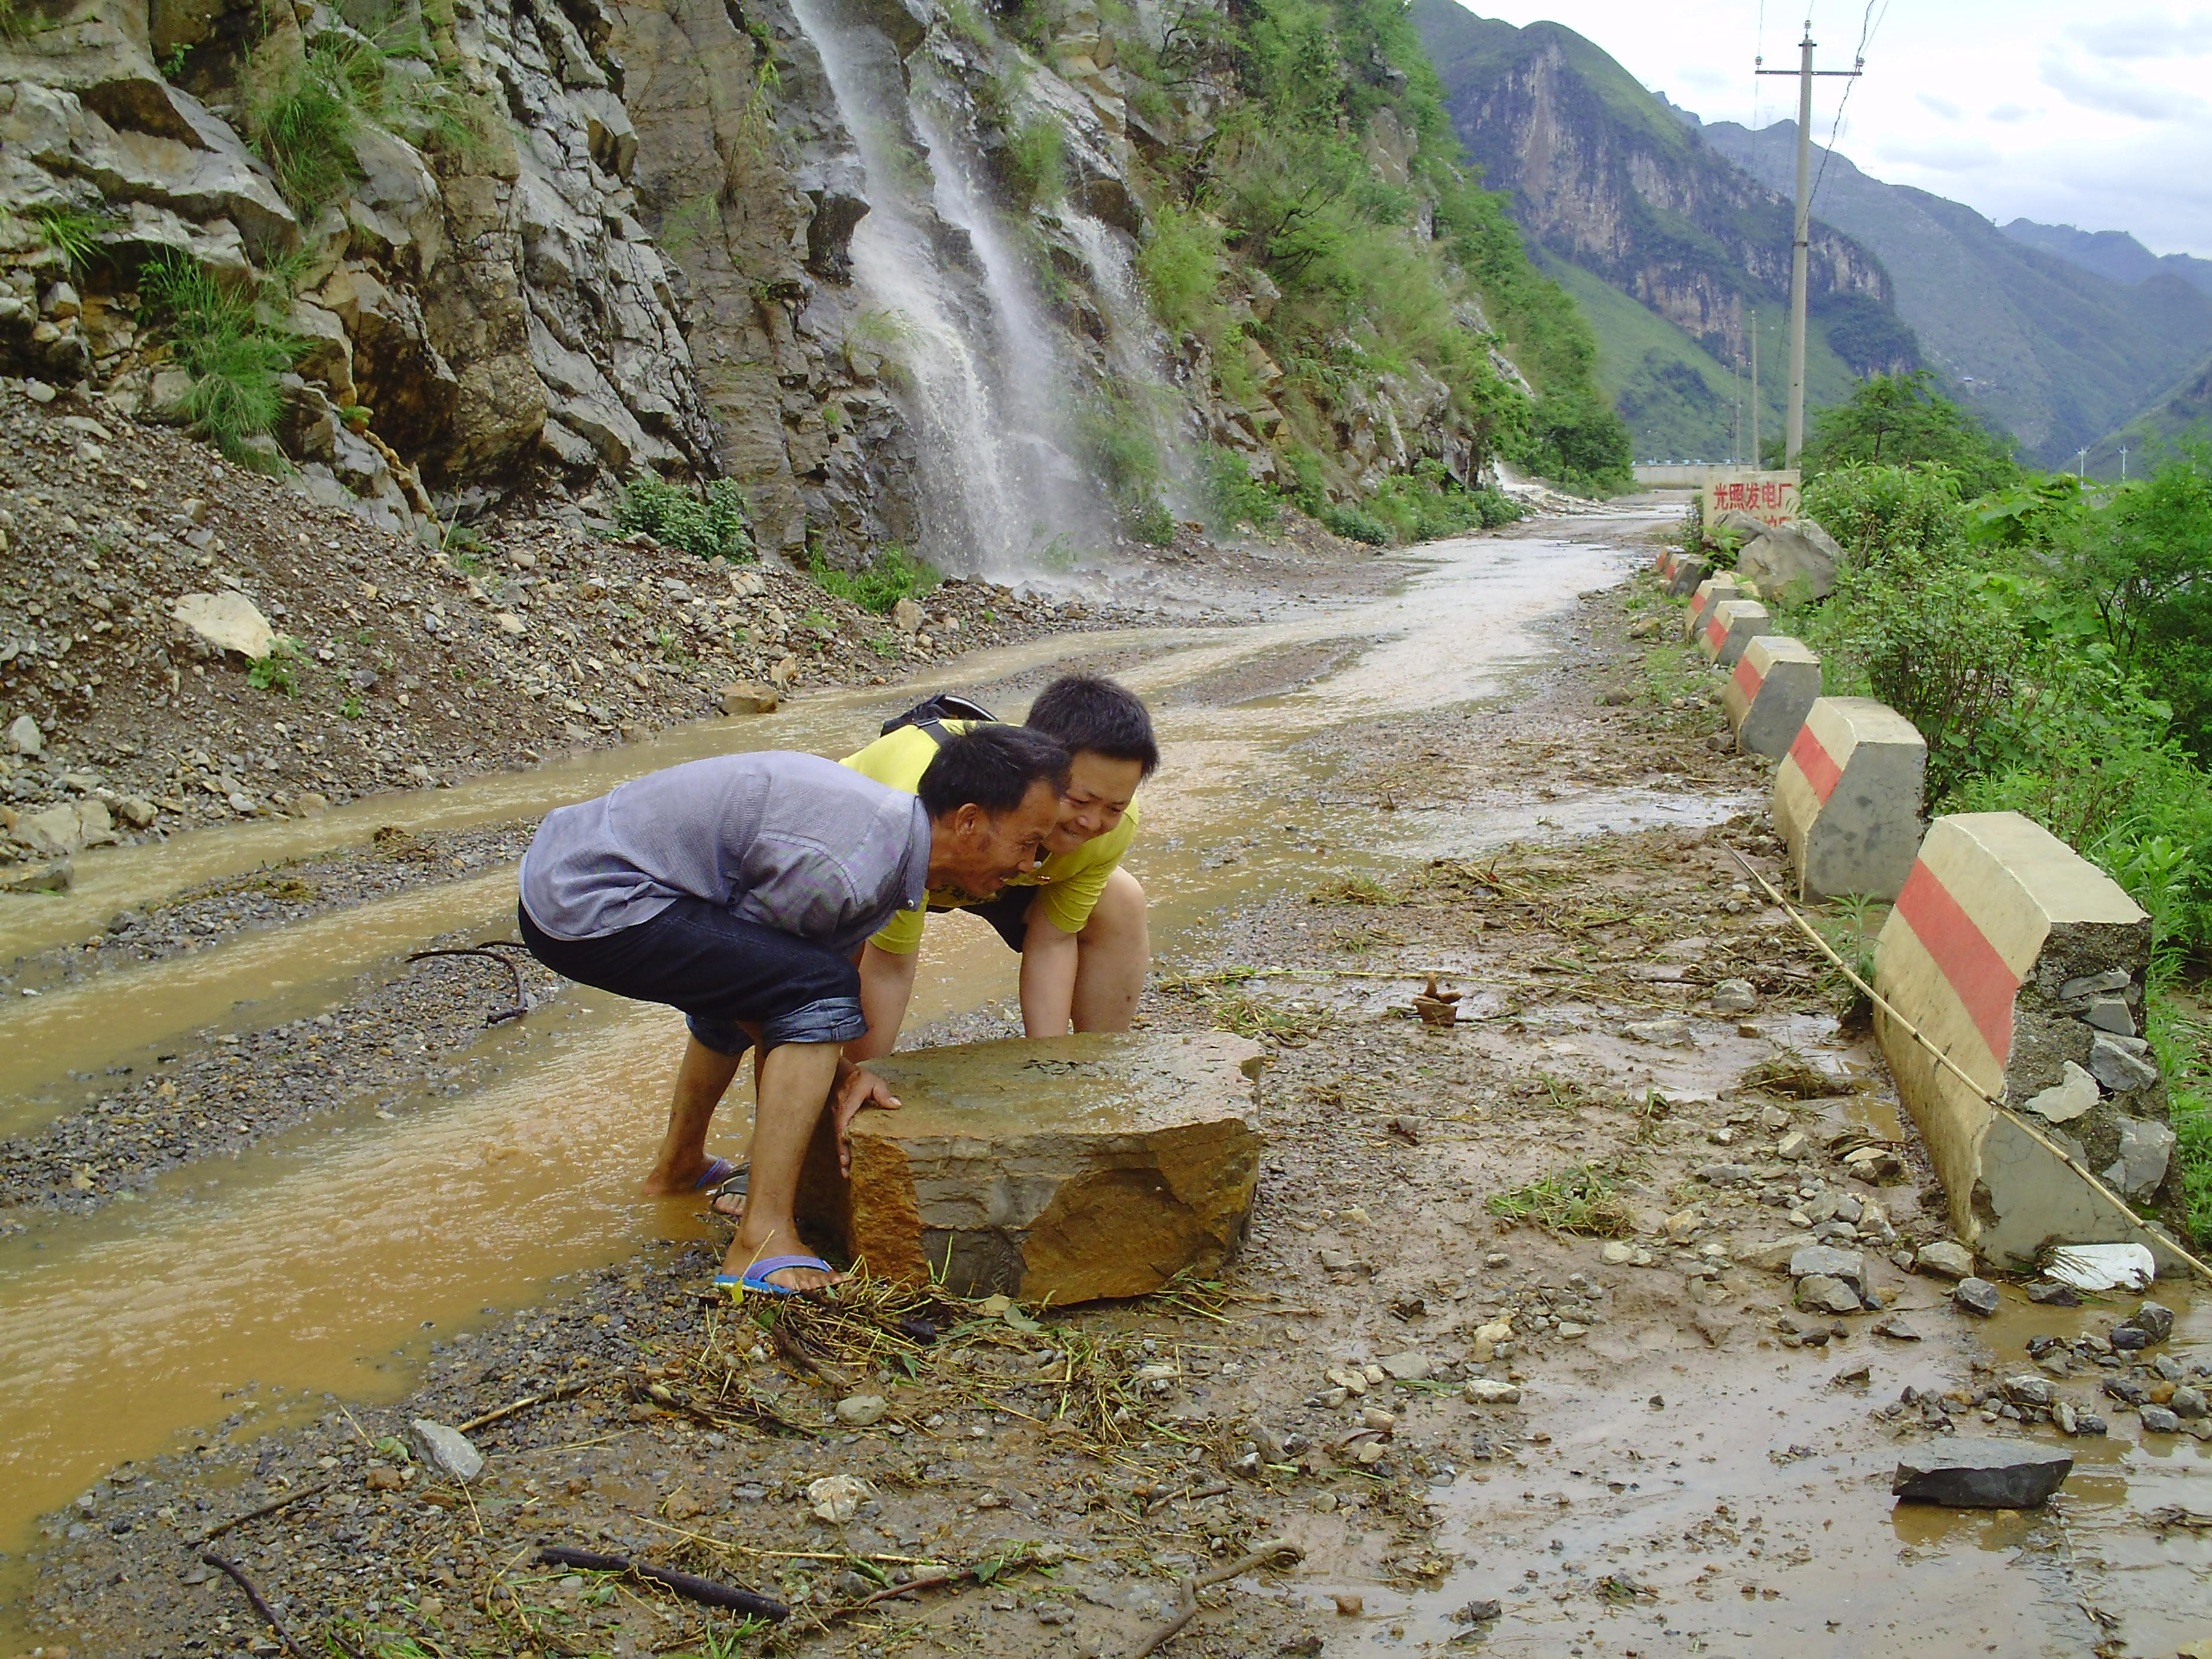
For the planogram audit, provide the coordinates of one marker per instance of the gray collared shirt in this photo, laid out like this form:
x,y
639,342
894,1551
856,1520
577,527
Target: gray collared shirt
x,y
792,842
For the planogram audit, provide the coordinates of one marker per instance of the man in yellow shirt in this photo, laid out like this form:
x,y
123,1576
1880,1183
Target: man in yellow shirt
x,y
1078,917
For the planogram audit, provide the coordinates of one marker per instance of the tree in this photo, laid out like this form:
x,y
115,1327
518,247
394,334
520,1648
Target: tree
x,y
1900,419
2144,562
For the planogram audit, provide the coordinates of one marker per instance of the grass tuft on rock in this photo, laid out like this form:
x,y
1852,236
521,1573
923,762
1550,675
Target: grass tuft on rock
x,y
217,335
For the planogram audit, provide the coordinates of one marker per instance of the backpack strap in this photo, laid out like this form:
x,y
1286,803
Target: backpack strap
x,y
931,713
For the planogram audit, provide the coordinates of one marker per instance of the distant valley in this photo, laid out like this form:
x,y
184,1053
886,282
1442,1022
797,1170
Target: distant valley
x,y
1674,236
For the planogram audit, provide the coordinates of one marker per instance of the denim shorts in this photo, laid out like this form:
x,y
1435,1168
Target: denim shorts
x,y
722,972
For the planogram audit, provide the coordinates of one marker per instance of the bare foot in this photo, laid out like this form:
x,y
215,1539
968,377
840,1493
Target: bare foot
x,y
745,1252
678,1179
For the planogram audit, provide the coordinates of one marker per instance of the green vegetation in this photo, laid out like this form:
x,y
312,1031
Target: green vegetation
x,y
2050,643
222,338
1577,1199
896,574
709,522
1285,203
277,671
1034,164
1117,431
73,234
1902,419
387,73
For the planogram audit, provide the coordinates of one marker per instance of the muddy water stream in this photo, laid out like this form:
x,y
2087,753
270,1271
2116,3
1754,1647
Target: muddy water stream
x,y
313,1262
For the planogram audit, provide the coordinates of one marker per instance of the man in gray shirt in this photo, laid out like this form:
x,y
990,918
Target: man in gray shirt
x,y
740,889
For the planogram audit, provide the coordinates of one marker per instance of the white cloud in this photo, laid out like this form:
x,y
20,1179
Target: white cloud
x,y
2118,92
2042,108
1937,153
2146,34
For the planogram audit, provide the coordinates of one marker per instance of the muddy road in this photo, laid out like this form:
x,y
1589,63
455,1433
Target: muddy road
x,y
1503,1358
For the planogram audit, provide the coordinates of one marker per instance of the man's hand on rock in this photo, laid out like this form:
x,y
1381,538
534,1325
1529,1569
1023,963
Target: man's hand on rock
x,y
857,1090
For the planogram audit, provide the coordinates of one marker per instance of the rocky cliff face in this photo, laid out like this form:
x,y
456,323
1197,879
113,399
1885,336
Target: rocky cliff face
x,y
1603,174
491,303
875,259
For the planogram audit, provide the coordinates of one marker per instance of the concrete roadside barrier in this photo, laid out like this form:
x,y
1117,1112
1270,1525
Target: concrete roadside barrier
x,y
2024,964
1690,570
1709,593
1777,681
1847,799
1733,624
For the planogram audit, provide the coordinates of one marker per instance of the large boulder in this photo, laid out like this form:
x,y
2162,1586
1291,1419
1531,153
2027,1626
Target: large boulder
x,y
1793,563
1060,1171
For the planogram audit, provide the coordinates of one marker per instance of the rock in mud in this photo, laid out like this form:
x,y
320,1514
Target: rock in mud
x,y
1819,1293
836,1499
448,1451
861,1411
1065,1170
2153,1319
227,621
1408,1367
1487,1391
1826,1260
24,737
1945,1259
1734,996
1976,1296
2187,1404
2159,1419
749,698
1981,1475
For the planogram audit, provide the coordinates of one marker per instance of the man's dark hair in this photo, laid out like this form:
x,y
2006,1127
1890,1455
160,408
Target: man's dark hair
x,y
993,767
1087,711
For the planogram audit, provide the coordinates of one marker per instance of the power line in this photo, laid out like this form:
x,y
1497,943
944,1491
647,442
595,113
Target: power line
x,y
1867,26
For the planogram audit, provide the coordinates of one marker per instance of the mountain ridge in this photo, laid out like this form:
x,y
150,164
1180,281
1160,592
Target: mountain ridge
x,y
2039,345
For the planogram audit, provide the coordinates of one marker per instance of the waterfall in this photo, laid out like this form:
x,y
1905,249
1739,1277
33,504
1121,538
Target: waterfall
x,y
985,386
1136,351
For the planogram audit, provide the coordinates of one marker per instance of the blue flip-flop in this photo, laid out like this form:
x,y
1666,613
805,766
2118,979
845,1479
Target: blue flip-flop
x,y
718,1171
755,1278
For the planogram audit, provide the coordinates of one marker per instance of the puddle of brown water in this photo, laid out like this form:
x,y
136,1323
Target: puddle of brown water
x,y
253,980
308,1260
1697,1498
305,1262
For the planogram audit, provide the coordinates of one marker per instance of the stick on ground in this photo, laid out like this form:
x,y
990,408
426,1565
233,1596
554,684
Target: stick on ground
x,y
267,1614
1274,1551
684,1584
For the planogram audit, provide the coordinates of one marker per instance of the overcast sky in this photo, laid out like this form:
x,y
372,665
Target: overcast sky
x,y
2065,113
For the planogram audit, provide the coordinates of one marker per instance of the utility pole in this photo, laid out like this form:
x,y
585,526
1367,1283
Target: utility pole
x,y
1801,241
2124,463
1755,462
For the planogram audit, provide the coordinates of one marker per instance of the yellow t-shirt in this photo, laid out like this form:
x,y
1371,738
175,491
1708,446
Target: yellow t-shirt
x,y
1071,881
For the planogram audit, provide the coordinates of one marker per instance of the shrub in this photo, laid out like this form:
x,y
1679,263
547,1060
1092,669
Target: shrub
x,y
1355,526
1895,420
1233,495
218,336
1034,162
894,574
1180,263
1879,513
711,523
